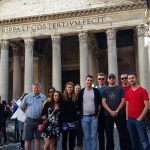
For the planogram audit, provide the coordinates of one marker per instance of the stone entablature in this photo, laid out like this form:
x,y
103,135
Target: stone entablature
x,y
25,8
74,25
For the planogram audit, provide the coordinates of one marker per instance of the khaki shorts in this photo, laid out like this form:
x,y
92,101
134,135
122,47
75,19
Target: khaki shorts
x,y
31,129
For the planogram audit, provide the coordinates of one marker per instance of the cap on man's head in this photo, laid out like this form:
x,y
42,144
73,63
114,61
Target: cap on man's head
x,y
112,75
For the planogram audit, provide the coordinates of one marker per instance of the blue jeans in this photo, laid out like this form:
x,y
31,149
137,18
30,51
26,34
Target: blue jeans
x,y
138,132
90,127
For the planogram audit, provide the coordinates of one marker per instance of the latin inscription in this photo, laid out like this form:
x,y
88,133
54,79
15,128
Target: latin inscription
x,y
72,23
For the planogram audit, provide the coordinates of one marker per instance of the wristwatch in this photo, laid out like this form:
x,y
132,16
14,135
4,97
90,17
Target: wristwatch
x,y
116,111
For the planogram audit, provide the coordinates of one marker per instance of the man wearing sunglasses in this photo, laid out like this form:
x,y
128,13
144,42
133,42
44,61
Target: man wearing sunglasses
x,y
113,102
124,82
101,79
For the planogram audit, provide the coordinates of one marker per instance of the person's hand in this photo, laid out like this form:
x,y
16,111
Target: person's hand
x,y
139,118
113,114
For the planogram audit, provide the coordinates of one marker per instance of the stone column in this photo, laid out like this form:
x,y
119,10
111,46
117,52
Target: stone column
x,y
83,40
16,72
28,77
56,62
112,52
142,30
4,80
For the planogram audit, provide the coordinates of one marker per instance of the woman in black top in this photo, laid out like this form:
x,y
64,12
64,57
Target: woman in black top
x,y
51,112
69,116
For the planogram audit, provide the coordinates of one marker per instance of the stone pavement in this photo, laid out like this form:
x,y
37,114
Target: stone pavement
x,y
16,146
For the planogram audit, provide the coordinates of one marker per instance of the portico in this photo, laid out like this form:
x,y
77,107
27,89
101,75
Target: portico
x,y
25,31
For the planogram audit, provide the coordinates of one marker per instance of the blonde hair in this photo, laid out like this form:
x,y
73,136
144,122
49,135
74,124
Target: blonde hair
x,y
65,93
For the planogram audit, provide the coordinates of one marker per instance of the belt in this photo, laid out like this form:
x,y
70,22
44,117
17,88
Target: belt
x,y
91,115
33,119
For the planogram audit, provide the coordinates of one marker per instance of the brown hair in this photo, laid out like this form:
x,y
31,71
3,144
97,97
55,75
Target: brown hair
x,y
101,74
53,102
65,94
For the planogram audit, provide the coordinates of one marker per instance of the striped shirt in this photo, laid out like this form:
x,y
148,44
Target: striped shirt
x,y
33,105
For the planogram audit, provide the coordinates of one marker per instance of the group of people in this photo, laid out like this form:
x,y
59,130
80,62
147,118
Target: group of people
x,y
87,114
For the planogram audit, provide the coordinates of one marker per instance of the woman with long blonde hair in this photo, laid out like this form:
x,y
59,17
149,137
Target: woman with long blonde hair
x,y
69,116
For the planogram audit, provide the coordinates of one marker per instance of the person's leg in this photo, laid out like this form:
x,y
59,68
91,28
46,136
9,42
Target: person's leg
x,y
52,144
133,133
46,143
72,135
64,139
109,123
101,128
37,144
79,137
86,132
142,132
122,130
28,144
94,128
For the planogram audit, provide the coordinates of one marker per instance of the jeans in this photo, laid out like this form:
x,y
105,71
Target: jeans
x,y
101,131
90,127
121,124
138,132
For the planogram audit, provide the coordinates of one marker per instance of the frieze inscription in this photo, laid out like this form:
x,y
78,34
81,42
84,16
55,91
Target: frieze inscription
x,y
55,25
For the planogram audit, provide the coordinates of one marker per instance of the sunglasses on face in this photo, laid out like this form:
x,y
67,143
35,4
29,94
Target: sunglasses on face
x,y
125,78
101,79
112,78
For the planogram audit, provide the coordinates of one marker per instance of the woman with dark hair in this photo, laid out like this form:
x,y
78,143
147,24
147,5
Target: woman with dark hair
x,y
51,112
69,116
50,94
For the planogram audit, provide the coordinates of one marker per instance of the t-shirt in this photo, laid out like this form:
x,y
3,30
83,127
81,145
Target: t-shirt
x,y
88,102
136,100
113,97
126,88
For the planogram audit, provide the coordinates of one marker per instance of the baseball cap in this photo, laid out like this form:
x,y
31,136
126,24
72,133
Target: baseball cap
x,y
111,75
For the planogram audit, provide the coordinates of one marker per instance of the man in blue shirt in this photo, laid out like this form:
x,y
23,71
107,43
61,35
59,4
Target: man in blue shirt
x,y
101,79
32,105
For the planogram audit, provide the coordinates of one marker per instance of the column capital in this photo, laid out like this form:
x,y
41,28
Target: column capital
x,y
142,30
111,34
29,42
55,38
4,44
83,37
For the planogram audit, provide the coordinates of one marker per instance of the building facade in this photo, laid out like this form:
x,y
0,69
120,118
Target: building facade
x,y
53,42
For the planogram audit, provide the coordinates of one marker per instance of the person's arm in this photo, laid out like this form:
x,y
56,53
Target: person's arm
x,y
112,113
126,110
146,103
121,105
23,105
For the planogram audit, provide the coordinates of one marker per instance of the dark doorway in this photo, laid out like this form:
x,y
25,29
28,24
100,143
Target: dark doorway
x,y
70,75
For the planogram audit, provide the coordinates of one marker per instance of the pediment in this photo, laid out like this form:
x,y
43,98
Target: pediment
x,y
10,9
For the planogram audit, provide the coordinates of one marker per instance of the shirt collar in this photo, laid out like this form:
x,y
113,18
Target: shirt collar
x,y
36,95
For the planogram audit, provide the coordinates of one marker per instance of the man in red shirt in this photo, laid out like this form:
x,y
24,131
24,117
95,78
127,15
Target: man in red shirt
x,y
124,82
137,103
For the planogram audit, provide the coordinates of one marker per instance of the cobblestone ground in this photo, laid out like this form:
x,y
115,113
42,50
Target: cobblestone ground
x,y
16,146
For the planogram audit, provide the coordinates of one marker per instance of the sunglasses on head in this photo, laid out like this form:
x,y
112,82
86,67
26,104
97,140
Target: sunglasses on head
x,y
125,78
111,78
101,78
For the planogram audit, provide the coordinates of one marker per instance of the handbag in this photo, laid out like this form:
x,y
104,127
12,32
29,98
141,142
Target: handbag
x,y
42,126
70,125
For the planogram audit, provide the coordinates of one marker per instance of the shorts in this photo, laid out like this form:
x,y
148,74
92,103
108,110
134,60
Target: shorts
x,y
31,129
